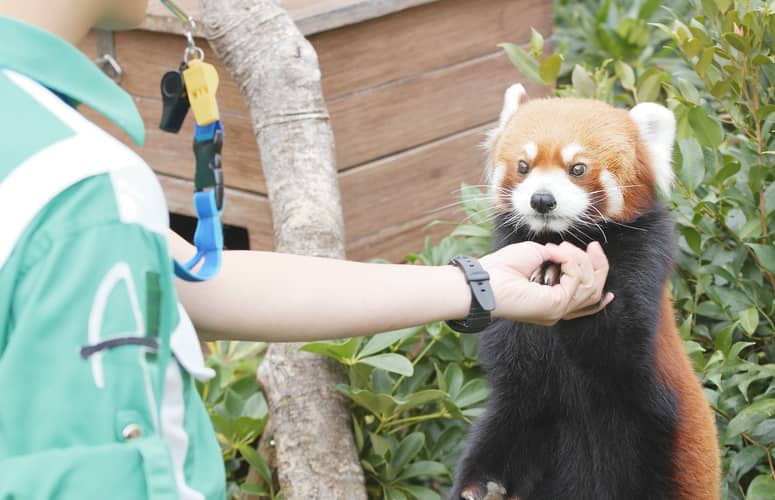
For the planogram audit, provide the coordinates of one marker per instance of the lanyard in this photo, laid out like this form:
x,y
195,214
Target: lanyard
x,y
194,85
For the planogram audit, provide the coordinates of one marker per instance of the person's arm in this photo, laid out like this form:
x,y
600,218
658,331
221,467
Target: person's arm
x,y
281,297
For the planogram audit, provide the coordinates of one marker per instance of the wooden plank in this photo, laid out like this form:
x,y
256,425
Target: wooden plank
x,y
315,16
429,37
434,36
311,16
388,203
241,209
393,118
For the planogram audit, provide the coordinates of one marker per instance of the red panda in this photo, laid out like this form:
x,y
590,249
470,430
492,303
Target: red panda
x,y
605,406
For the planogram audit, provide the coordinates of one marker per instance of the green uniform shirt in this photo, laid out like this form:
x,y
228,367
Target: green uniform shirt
x,y
97,399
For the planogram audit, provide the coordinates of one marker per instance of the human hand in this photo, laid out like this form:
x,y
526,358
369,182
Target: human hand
x,y
578,293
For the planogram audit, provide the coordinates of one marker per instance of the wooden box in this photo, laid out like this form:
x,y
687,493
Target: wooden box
x,y
411,86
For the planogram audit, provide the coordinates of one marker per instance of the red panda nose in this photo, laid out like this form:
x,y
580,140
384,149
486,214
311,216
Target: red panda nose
x,y
543,203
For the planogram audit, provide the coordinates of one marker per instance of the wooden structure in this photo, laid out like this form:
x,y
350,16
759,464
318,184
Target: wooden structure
x,y
411,86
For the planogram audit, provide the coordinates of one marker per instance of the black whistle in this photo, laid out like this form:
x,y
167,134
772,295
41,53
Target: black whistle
x,y
174,101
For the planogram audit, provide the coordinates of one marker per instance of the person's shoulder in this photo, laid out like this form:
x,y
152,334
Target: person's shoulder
x,y
41,122
50,155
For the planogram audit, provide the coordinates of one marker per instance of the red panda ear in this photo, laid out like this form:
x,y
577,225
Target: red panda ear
x,y
656,125
515,96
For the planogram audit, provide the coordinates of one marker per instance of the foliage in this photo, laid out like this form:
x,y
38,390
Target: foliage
x,y
716,71
238,412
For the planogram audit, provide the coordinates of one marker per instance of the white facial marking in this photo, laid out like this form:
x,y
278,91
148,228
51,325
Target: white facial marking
x,y
656,125
569,152
613,193
572,201
497,178
531,150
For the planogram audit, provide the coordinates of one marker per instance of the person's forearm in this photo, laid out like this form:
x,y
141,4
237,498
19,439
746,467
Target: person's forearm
x,y
281,297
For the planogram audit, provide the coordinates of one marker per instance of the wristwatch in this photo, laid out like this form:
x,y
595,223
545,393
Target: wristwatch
x,y
482,299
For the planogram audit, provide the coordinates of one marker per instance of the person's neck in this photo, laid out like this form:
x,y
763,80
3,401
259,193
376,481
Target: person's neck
x,y
68,19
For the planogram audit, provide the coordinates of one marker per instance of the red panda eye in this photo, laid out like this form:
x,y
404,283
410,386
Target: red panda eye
x,y
578,170
523,167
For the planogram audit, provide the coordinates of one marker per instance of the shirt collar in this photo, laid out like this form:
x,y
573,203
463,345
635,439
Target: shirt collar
x,y
61,67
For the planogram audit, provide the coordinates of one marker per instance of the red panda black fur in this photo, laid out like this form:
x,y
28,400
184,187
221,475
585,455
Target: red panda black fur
x,y
605,406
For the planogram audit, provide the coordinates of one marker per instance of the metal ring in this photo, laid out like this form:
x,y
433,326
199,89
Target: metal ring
x,y
195,51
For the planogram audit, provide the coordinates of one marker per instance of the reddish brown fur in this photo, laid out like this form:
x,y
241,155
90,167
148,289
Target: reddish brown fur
x,y
609,139
697,462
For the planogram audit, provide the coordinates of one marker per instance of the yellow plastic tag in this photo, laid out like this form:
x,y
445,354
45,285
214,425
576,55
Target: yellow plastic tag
x,y
201,85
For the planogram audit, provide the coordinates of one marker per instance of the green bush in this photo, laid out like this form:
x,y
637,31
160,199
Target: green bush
x,y
716,71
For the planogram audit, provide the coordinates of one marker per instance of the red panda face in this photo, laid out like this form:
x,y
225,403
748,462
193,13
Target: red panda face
x,y
560,164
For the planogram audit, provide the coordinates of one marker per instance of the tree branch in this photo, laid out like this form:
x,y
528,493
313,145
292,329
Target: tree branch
x,y
278,73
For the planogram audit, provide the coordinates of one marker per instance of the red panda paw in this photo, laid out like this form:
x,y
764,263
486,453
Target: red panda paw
x,y
493,491
548,274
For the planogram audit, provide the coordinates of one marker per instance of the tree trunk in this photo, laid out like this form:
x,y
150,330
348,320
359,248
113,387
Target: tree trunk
x,y
278,73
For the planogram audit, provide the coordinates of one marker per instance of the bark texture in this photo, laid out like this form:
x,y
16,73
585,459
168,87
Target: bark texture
x,y
277,71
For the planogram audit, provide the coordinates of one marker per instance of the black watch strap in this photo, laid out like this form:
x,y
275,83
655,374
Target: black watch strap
x,y
482,299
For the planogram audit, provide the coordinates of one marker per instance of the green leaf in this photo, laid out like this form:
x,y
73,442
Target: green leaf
x,y
233,403
391,362
761,488
737,42
706,129
392,493
420,492
626,74
536,43
706,58
582,82
692,163
381,341
751,416
749,320
381,405
765,254
341,350
255,406
649,86
453,380
245,428
419,398
693,239
257,461
769,199
550,68
474,391
720,89
744,460
648,8
379,444
253,489
425,468
407,449
522,60
723,340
